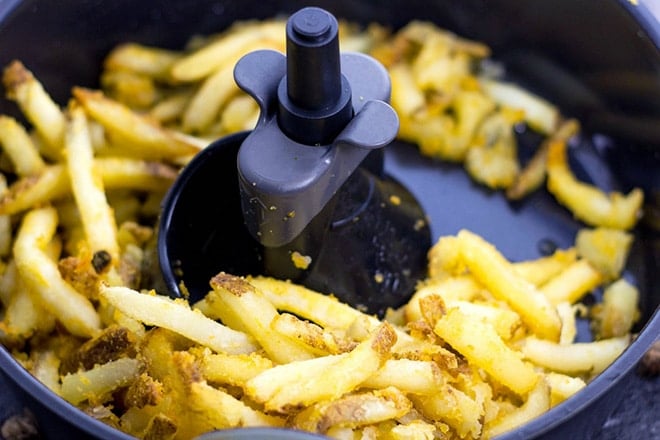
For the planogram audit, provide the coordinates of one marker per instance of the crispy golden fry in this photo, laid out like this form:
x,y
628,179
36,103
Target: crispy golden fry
x,y
222,410
96,384
53,183
18,145
499,276
41,275
409,376
605,248
587,202
578,358
572,283
135,90
149,140
354,410
242,306
542,269
306,382
97,217
311,336
481,345
615,315
37,106
232,369
450,289
146,60
176,315
536,404
226,50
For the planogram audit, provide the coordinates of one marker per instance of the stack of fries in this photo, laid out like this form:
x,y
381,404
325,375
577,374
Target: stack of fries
x,y
483,346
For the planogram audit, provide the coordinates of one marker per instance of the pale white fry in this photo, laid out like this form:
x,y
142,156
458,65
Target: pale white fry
x,y
96,384
18,145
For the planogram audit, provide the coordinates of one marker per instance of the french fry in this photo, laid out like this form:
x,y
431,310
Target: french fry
x,y
311,336
481,345
41,275
97,217
605,248
562,386
617,313
96,384
409,376
578,358
542,269
536,404
309,381
498,275
6,233
225,51
178,317
146,60
354,410
230,369
572,283
242,306
149,139
18,145
53,183
37,106
450,289
587,202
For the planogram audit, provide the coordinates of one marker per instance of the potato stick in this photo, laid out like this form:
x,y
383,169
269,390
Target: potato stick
x,y
232,369
150,140
24,314
482,346
45,367
146,60
407,99
95,385
302,384
41,275
498,275
242,306
171,108
53,182
453,288
453,407
18,145
96,215
241,113
534,173
310,335
566,314
225,50
204,106
605,248
587,202
536,404
503,320
354,410
562,387
617,313
540,270
37,106
571,284
578,358
409,376
324,310
222,410
176,316
539,113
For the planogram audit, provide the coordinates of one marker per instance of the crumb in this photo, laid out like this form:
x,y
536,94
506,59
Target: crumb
x,y
20,427
650,363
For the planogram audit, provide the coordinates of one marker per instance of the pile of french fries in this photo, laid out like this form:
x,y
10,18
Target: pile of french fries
x,y
483,346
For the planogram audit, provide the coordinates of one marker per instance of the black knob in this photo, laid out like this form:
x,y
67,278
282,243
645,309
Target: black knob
x,y
314,96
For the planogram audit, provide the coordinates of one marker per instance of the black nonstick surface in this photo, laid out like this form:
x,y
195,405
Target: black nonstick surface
x,y
598,60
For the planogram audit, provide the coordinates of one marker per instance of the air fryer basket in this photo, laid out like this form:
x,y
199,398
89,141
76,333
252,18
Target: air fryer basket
x,y
599,61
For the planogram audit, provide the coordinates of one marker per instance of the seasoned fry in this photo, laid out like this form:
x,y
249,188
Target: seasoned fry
x,y
37,106
177,316
97,217
146,60
40,274
18,145
496,273
572,283
587,202
615,316
148,139
96,384
605,248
